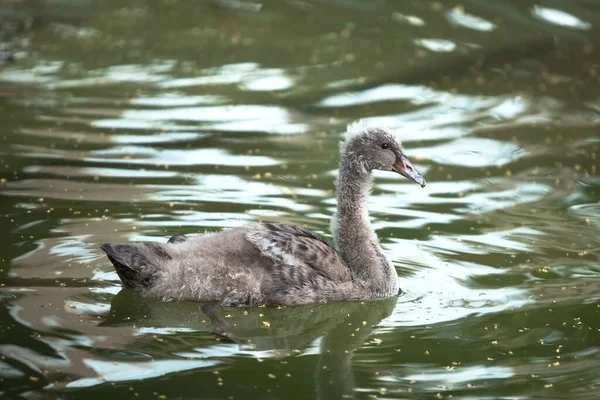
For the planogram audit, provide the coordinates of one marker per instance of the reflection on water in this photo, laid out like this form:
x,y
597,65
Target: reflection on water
x,y
137,121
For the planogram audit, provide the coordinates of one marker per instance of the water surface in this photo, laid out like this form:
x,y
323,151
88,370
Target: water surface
x,y
137,120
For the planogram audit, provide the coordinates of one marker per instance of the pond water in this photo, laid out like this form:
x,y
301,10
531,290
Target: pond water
x,y
137,120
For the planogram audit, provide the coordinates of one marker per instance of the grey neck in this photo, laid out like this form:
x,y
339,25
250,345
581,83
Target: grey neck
x,y
356,240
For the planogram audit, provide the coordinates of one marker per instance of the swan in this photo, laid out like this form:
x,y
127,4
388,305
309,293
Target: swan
x,y
277,263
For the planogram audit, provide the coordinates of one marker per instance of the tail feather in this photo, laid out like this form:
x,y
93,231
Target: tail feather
x,y
135,269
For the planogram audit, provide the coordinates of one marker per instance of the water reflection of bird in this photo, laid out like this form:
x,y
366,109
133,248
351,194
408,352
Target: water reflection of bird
x,y
280,263
342,327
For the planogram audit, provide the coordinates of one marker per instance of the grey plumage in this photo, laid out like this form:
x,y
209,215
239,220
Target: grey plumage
x,y
280,264
177,239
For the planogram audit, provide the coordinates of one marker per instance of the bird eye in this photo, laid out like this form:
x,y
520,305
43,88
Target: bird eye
x,y
385,146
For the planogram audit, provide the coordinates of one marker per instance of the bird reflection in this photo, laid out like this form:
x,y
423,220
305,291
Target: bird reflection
x,y
341,327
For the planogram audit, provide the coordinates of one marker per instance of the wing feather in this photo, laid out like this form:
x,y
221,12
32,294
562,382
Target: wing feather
x,y
302,254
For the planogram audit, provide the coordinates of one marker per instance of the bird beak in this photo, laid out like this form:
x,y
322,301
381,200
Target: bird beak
x,y
405,168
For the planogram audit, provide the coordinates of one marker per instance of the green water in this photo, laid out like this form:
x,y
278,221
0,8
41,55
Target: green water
x,y
136,120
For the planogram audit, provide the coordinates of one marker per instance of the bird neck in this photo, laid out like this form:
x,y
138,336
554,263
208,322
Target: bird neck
x,y
357,242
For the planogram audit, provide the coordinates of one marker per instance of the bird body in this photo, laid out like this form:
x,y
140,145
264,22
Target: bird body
x,y
280,264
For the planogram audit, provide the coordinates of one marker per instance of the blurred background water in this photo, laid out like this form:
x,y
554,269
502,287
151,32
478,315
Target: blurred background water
x,y
139,119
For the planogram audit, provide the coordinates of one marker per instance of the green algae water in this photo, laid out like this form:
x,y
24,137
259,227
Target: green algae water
x,y
137,120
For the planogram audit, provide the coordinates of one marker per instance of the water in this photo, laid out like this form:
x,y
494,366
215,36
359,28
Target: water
x,y
141,119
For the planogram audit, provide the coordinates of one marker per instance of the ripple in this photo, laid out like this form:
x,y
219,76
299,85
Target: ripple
x,y
244,118
176,100
148,156
71,247
138,155
210,113
472,152
436,292
437,45
560,18
272,81
382,93
109,371
458,16
428,123
132,73
219,189
250,76
409,19
511,108
102,138
74,190
460,199
590,212
9,372
467,374
508,242
415,94
68,171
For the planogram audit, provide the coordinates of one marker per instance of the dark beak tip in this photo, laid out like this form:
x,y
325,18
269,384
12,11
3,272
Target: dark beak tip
x,y
404,167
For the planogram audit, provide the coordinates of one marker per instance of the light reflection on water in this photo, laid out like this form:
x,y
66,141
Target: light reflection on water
x,y
497,256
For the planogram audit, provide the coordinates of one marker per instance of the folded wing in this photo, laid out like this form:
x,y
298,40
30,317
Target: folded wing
x,y
301,257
